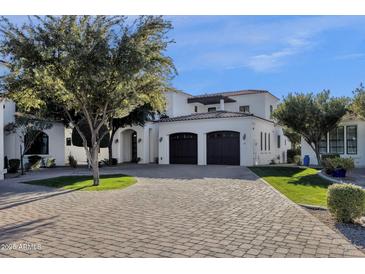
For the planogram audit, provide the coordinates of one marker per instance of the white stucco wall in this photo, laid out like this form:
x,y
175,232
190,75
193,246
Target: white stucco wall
x,y
250,153
56,139
146,143
177,104
78,152
359,158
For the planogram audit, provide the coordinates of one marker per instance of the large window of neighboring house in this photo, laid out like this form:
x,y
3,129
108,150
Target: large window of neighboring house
x,y
351,139
323,144
68,141
265,141
279,141
245,109
336,137
40,144
212,109
269,140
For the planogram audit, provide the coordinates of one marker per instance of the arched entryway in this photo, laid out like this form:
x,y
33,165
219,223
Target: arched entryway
x,y
223,148
183,148
129,146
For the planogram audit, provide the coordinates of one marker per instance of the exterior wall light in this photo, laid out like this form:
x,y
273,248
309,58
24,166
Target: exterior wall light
x,y
161,138
244,137
116,141
139,140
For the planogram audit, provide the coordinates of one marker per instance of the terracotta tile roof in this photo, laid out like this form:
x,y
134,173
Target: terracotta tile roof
x,y
206,115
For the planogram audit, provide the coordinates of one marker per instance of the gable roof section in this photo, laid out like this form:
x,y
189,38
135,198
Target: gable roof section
x,y
209,115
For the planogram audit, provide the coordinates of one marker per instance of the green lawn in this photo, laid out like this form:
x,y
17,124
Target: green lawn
x,y
303,186
107,182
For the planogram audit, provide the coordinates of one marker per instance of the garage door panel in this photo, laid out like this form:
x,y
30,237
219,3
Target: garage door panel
x,y
223,148
183,148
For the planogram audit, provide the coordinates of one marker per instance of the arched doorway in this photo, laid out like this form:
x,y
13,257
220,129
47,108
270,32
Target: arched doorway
x,y
36,142
129,146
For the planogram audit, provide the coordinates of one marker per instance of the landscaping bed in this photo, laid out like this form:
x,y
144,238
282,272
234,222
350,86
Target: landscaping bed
x,y
355,233
107,182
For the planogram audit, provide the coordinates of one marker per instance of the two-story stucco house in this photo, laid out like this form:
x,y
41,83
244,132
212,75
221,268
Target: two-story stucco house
x,y
227,128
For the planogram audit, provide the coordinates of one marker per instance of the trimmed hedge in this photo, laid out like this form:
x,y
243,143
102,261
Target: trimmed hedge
x,y
346,202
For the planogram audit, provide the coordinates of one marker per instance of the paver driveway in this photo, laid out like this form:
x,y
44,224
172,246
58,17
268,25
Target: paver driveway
x,y
173,211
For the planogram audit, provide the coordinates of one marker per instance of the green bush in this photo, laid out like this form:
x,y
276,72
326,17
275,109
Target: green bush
x,y
290,153
72,161
297,160
34,161
346,202
51,162
345,163
328,166
13,165
329,156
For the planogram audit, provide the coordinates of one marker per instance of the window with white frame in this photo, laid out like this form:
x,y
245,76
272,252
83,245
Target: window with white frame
x,y
351,139
337,142
323,144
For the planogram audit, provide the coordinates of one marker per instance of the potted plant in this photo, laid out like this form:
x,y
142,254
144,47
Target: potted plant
x,y
341,166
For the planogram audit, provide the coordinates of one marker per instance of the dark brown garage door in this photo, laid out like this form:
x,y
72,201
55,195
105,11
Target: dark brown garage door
x,y
183,148
223,148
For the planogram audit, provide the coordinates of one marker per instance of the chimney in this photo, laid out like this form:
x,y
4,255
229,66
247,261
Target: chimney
x,y
221,102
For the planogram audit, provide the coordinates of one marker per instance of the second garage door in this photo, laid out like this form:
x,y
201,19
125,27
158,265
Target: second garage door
x,y
183,148
223,148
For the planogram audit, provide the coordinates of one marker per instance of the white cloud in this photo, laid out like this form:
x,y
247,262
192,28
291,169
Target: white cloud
x,y
261,45
350,56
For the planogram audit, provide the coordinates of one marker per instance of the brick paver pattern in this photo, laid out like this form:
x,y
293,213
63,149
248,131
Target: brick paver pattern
x,y
173,211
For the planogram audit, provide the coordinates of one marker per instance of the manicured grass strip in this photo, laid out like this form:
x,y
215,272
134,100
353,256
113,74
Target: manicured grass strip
x,y
303,186
107,182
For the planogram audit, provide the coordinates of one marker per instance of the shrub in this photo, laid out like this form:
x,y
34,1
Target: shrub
x,y
329,156
34,161
297,160
72,161
13,165
346,202
345,163
50,162
328,166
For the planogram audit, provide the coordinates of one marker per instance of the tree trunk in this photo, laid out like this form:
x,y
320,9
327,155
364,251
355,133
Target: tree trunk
x,y
95,166
318,155
21,160
110,147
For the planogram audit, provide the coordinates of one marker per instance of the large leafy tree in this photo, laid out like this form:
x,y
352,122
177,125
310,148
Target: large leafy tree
x,y
311,115
91,67
358,103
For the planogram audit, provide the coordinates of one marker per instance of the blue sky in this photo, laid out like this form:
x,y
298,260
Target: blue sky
x,y
279,53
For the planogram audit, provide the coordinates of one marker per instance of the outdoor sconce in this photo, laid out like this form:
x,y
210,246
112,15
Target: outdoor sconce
x,y
116,141
139,140
161,138
244,137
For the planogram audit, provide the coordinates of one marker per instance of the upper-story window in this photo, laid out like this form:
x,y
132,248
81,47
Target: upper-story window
x,y
271,111
195,108
212,109
351,139
337,141
68,141
245,109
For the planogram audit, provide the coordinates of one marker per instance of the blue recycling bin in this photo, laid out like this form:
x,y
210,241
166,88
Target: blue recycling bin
x,y
306,160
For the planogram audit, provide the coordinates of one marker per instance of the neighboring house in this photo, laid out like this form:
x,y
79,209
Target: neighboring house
x,y
233,128
342,140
